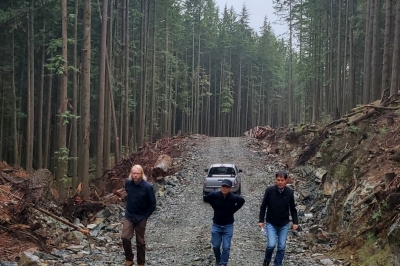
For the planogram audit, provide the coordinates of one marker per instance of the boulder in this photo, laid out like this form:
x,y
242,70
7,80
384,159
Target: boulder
x,y
394,242
28,259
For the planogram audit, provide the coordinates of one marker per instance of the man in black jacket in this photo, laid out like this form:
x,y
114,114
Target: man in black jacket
x,y
278,200
140,204
225,204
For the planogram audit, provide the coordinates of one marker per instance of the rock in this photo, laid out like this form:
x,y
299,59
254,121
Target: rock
x,y
7,263
320,173
293,154
104,213
394,241
314,229
28,259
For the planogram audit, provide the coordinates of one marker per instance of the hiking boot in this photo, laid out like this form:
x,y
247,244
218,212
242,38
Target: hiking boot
x,y
128,263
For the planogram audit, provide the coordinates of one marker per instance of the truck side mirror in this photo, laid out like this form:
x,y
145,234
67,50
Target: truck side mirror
x,y
240,171
205,170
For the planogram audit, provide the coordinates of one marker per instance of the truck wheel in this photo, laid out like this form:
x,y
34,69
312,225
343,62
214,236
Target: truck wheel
x,y
204,197
239,192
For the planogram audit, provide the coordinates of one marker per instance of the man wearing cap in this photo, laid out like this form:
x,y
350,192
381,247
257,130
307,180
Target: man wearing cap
x,y
224,204
278,202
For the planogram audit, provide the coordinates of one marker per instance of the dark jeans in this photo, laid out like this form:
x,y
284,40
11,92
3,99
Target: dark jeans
x,y
128,230
221,234
274,233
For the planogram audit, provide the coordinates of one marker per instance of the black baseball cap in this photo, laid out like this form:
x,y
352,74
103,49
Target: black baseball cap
x,y
226,182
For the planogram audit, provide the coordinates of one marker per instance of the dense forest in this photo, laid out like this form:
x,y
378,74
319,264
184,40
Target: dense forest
x,y
84,83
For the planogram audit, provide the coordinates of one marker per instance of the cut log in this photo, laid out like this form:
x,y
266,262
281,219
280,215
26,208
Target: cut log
x,y
366,115
161,166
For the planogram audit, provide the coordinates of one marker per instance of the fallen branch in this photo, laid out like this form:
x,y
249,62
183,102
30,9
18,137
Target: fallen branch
x,y
83,231
369,113
383,107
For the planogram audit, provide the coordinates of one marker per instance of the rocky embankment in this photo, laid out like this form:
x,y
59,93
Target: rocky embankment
x,y
178,233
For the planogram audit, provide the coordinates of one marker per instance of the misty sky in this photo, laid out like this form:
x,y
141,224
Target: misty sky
x,y
257,9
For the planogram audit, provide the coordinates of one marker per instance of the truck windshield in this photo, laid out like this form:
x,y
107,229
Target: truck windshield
x,y
222,171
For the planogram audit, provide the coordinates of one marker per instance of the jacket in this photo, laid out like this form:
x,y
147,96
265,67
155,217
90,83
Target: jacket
x,y
140,200
224,208
277,205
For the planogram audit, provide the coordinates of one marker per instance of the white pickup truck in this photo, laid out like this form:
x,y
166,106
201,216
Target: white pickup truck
x,y
217,172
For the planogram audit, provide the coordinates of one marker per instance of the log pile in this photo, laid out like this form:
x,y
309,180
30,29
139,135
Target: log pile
x,y
259,132
155,158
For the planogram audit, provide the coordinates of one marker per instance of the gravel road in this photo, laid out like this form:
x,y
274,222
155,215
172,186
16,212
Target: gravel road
x,y
179,232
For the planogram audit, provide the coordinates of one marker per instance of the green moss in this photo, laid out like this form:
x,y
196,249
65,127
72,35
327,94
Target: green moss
x,y
366,255
370,256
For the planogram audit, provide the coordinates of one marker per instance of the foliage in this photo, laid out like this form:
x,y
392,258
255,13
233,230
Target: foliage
x,y
371,237
377,215
353,129
63,155
67,116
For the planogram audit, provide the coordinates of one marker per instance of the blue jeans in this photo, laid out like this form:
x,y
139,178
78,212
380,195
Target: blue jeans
x,y
221,234
273,233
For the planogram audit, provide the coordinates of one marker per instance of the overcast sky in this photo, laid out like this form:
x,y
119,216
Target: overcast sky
x,y
257,9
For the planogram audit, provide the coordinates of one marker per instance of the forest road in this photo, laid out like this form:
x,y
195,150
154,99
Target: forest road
x,y
178,233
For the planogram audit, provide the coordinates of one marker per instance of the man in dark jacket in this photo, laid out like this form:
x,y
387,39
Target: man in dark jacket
x,y
140,204
278,200
224,204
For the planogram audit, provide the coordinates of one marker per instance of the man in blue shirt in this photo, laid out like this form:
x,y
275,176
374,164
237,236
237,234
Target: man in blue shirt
x,y
140,204
278,200
225,204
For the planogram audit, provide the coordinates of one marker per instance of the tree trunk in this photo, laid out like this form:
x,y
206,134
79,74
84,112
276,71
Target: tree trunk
x,y
126,78
351,88
62,153
107,100
153,104
386,51
368,52
31,91
102,74
290,91
375,67
338,89
49,96
117,153
396,55
85,144
40,107
237,131
74,123
143,87
16,156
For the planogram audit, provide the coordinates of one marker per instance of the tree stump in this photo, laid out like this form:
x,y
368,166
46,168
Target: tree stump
x,y
389,178
390,121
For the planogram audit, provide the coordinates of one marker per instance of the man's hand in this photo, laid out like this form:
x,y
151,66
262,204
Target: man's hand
x,y
295,226
261,225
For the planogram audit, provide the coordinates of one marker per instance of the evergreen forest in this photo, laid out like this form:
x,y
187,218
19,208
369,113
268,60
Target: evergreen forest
x,y
84,83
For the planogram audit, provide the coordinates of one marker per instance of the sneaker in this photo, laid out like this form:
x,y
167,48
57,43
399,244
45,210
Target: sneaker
x,y
128,263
